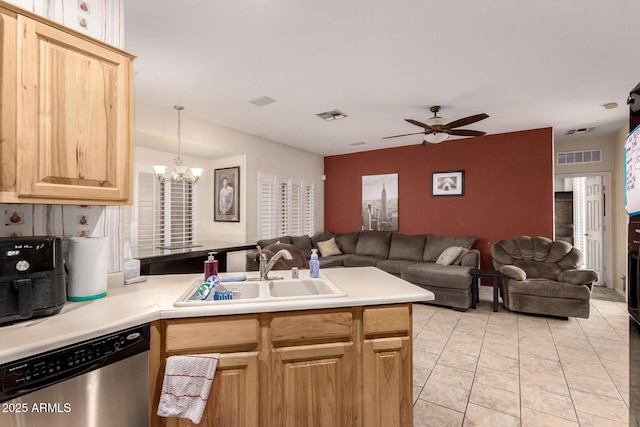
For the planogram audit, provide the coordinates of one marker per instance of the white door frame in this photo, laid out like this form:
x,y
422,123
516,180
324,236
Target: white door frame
x,y
607,221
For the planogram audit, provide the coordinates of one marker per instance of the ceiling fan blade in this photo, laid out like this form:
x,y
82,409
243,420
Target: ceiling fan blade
x,y
466,132
466,121
417,123
406,134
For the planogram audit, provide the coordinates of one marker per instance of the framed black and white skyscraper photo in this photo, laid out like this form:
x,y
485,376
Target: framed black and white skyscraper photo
x,y
380,202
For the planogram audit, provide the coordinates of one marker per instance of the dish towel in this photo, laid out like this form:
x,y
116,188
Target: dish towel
x,y
186,385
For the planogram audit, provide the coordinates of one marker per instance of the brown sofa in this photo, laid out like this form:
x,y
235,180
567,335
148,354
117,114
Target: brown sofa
x,y
541,276
411,257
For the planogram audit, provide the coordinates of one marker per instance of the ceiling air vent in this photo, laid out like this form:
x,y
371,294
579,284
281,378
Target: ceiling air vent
x,y
580,130
579,157
332,115
262,101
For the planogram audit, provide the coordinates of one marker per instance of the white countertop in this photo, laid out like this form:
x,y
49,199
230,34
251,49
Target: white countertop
x,y
144,302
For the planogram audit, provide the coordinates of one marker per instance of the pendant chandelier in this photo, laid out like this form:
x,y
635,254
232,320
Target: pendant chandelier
x,y
180,172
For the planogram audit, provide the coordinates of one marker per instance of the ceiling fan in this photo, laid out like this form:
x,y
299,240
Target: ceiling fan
x,y
436,131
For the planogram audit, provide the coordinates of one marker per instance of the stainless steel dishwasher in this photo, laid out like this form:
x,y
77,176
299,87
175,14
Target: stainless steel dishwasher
x,y
103,381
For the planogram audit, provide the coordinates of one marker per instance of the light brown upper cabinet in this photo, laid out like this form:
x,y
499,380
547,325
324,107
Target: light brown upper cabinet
x,y
66,133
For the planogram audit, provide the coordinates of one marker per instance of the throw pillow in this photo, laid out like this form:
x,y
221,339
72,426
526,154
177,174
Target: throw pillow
x,y
329,247
449,255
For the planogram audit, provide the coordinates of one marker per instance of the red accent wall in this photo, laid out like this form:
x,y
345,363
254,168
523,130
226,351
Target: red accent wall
x,y
508,187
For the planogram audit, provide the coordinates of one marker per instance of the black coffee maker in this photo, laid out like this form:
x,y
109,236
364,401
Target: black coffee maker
x,y
31,278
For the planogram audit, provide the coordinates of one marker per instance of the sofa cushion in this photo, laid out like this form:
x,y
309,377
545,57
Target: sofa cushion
x,y
393,266
458,261
329,247
304,244
549,289
436,244
471,259
449,255
332,261
266,242
539,270
405,247
347,242
374,243
578,277
438,276
352,260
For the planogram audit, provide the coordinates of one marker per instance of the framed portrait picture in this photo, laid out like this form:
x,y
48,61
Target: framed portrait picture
x,y
448,183
226,188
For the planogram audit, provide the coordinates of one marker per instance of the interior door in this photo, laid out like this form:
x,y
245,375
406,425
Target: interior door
x,y
594,205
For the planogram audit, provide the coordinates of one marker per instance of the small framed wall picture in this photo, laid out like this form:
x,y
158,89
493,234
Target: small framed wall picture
x,y
226,198
447,183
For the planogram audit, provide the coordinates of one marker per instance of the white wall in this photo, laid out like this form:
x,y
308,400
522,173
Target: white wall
x,y
620,218
613,162
211,146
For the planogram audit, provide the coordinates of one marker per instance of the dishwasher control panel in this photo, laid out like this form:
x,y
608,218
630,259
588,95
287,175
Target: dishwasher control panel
x,y
71,360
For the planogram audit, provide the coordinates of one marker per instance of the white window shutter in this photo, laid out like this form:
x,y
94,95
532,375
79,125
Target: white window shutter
x,y
148,217
178,213
266,206
309,209
163,214
286,206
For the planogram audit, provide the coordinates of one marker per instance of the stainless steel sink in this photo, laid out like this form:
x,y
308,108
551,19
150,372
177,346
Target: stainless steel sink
x,y
264,291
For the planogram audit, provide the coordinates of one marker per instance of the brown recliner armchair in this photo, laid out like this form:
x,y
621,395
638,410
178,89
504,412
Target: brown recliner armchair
x,y
541,276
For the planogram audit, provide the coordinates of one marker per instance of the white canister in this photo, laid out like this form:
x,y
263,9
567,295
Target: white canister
x,y
88,259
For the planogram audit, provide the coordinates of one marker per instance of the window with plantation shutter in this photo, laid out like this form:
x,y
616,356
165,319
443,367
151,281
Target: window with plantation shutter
x,y
163,214
286,206
176,207
266,206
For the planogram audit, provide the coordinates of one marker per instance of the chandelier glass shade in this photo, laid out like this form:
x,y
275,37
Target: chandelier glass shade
x,y
435,137
180,172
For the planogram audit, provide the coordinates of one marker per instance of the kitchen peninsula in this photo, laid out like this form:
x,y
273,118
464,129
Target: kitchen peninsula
x,y
339,361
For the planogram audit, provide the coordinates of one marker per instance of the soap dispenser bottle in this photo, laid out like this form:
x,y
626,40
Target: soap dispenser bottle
x,y
210,266
314,264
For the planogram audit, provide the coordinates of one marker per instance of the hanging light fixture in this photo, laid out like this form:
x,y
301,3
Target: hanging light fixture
x,y
180,172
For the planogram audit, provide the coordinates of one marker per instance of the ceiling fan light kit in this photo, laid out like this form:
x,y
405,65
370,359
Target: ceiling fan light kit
x,y
436,131
435,137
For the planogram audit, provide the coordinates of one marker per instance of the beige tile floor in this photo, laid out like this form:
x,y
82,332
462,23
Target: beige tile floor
x,y
481,368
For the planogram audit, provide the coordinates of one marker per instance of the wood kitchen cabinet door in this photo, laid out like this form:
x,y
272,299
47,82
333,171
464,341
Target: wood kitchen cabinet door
x,y
313,385
74,117
8,87
233,400
387,387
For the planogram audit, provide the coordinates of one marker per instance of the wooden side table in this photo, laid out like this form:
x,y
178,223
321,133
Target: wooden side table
x,y
493,275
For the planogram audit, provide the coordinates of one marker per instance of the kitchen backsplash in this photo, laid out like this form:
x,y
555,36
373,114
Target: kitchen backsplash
x,y
100,19
66,221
